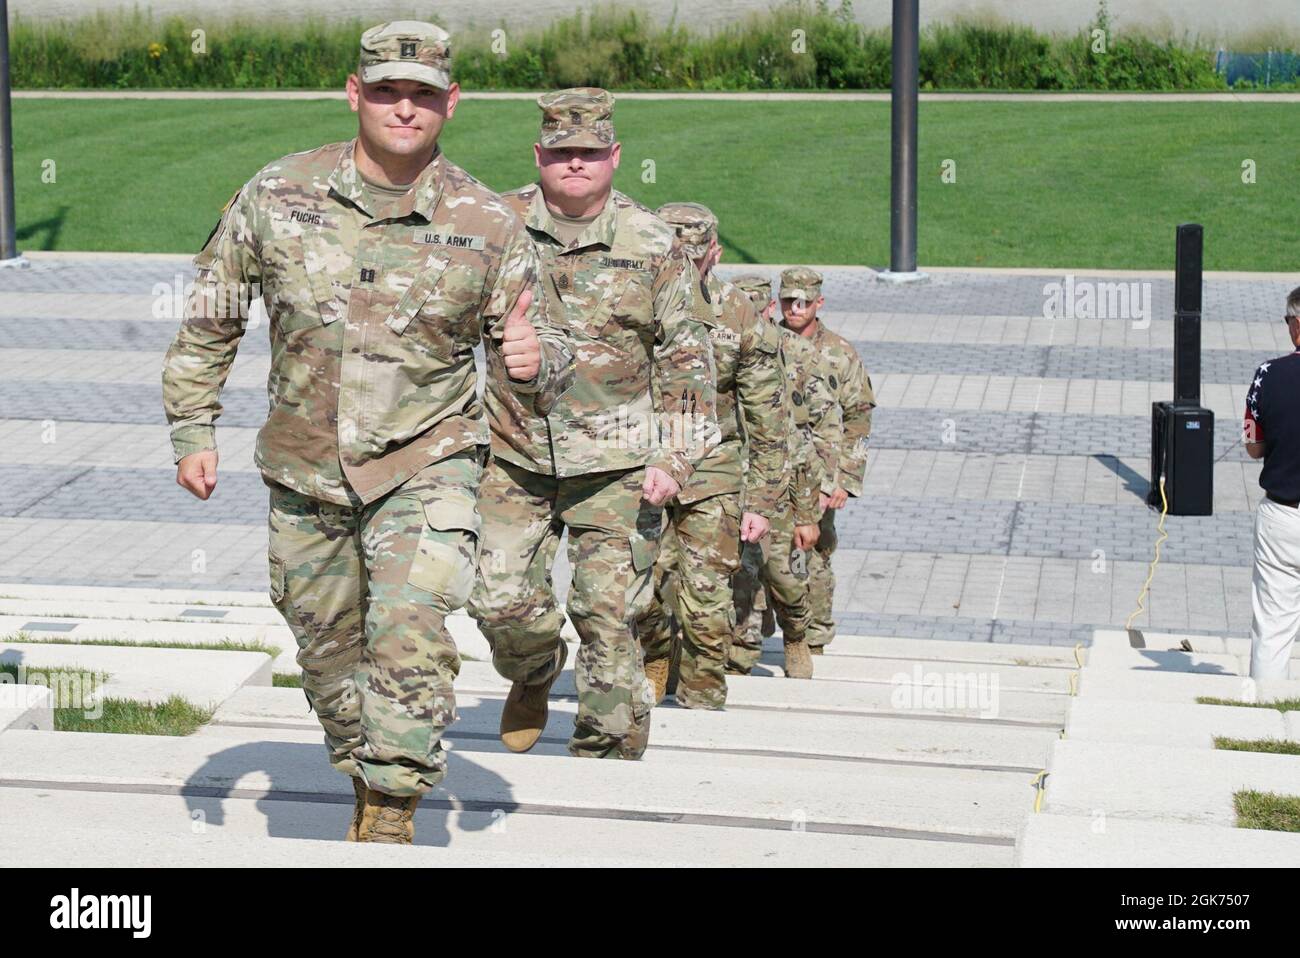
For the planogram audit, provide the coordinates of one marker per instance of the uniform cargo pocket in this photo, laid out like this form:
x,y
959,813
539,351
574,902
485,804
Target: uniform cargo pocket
x,y
277,580
644,551
447,554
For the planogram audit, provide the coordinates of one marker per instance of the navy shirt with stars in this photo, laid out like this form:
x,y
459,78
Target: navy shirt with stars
x,y
1273,418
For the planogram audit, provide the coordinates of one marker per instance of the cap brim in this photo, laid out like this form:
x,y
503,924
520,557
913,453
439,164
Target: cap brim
x,y
393,70
584,139
800,292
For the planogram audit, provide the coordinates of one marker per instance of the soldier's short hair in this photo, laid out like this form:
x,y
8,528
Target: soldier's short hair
x,y
1293,302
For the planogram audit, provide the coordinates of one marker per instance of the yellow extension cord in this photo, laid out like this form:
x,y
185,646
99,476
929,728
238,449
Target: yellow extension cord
x,y
1040,780
1146,586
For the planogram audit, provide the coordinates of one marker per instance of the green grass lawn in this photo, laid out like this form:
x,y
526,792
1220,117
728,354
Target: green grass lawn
x,y
1061,185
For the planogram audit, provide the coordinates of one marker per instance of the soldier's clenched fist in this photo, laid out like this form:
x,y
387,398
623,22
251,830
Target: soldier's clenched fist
x,y
658,487
197,472
519,343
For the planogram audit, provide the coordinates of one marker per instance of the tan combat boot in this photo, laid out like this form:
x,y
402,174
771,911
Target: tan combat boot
x,y
798,661
656,670
359,787
523,717
387,819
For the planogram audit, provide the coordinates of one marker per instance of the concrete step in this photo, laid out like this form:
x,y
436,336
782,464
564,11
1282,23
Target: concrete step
x,y
897,740
115,828
820,695
1174,723
1008,676
1157,783
147,611
1185,687
1112,651
1213,644
26,707
140,631
945,650
1056,841
204,677
749,791
63,592
920,672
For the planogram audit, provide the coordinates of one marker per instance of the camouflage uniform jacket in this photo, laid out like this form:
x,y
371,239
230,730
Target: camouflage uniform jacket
x,y
641,368
851,387
752,403
816,432
372,322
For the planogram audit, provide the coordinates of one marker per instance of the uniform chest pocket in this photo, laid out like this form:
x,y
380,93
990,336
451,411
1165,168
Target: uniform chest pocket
x,y
587,303
632,307
298,281
439,310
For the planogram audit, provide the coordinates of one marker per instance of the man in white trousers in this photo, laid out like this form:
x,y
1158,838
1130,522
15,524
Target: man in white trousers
x,y
1272,433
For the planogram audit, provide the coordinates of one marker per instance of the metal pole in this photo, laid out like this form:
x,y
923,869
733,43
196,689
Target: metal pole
x,y
8,229
902,211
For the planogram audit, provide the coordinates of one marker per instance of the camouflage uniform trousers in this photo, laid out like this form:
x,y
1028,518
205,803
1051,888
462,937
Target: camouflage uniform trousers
x,y
772,566
366,592
613,543
698,557
821,583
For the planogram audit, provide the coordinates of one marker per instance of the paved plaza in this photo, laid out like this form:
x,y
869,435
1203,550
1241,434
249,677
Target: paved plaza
x,y
1005,491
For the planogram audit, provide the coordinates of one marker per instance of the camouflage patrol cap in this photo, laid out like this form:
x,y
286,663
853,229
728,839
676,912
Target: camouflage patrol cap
x,y
582,116
800,282
696,225
757,287
406,50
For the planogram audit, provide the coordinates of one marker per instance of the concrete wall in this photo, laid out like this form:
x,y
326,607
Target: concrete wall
x,y
1213,20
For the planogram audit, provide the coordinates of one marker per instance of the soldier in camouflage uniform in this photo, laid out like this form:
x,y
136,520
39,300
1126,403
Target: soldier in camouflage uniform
x,y
801,298
381,265
604,459
733,493
780,571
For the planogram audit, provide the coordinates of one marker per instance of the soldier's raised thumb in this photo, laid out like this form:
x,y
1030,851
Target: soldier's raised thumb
x,y
518,317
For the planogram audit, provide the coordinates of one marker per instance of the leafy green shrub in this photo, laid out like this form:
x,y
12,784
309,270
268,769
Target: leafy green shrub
x,y
609,46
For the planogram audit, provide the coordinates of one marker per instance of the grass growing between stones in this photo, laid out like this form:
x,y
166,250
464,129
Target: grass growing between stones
x,y
1274,745
281,680
1282,705
175,716
225,645
1267,810
75,691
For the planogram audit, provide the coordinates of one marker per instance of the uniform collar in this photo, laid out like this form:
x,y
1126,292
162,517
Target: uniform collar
x,y
816,337
599,232
346,181
714,283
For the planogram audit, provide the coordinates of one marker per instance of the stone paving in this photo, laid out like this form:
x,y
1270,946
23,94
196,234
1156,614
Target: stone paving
x,y
1004,497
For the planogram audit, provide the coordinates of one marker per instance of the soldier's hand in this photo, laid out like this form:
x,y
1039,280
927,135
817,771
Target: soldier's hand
x,y
753,527
838,498
197,472
658,486
823,501
519,344
805,537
